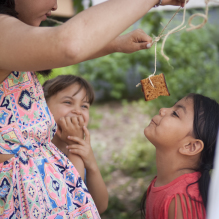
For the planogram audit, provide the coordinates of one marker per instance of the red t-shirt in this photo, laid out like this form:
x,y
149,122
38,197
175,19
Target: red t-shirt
x,y
159,198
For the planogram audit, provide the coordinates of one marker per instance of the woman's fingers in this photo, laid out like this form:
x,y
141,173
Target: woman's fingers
x,y
174,2
142,40
133,41
182,2
143,37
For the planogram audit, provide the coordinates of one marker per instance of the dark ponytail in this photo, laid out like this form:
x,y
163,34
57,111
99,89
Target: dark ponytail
x,y
143,205
205,126
8,7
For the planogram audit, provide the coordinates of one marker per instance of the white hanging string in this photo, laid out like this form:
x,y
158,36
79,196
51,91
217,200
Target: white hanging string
x,y
157,39
177,29
205,16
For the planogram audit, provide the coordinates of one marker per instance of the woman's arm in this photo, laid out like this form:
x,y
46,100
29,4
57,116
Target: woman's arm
x,y
128,43
28,48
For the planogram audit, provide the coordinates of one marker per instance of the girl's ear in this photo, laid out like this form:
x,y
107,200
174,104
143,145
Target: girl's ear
x,y
194,147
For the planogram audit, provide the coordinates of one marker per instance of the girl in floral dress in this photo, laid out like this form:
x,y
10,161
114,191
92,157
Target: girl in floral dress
x,y
36,181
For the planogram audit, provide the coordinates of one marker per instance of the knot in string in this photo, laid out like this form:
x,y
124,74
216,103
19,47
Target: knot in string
x,y
156,39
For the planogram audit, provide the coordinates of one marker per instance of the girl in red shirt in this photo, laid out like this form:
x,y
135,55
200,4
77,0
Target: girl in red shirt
x,y
185,139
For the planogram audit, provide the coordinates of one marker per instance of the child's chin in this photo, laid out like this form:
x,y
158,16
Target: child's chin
x,y
146,133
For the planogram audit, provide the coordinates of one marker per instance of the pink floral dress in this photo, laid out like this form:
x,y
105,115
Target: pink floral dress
x,y
39,181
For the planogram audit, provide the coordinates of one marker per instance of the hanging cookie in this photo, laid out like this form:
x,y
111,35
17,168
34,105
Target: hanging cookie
x,y
154,87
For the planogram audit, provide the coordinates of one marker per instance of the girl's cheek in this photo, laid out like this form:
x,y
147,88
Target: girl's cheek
x,y
87,122
86,117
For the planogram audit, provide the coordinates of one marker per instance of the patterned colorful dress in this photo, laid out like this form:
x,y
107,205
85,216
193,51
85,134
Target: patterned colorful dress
x,y
39,181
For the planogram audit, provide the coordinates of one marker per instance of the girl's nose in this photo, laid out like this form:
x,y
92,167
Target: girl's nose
x,y
76,111
54,8
162,111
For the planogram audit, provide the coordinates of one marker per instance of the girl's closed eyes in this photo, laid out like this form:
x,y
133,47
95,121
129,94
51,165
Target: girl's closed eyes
x,y
67,102
85,106
175,114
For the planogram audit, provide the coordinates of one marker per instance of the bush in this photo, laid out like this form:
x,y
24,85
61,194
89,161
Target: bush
x,y
137,158
116,209
193,55
59,71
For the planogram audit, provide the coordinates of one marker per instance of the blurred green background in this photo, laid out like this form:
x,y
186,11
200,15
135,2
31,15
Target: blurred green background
x,y
120,106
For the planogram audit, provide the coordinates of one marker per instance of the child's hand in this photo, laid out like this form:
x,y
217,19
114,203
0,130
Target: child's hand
x,y
83,149
132,42
70,126
95,183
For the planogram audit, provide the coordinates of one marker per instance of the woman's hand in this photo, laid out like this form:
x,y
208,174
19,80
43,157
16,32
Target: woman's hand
x,y
128,43
132,42
70,126
83,149
174,2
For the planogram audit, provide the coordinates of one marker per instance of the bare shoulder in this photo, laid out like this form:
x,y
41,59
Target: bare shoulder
x,y
8,22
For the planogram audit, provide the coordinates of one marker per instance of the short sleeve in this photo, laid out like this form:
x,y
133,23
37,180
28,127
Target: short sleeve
x,y
182,206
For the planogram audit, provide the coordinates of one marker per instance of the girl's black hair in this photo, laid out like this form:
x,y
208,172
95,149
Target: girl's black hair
x,y
143,205
8,7
55,85
205,128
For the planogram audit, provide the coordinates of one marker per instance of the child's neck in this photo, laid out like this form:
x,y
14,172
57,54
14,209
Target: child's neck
x,y
61,145
169,167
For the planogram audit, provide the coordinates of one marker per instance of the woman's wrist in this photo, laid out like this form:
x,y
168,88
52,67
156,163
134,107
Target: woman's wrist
x,y
116,45
158,4
111,47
